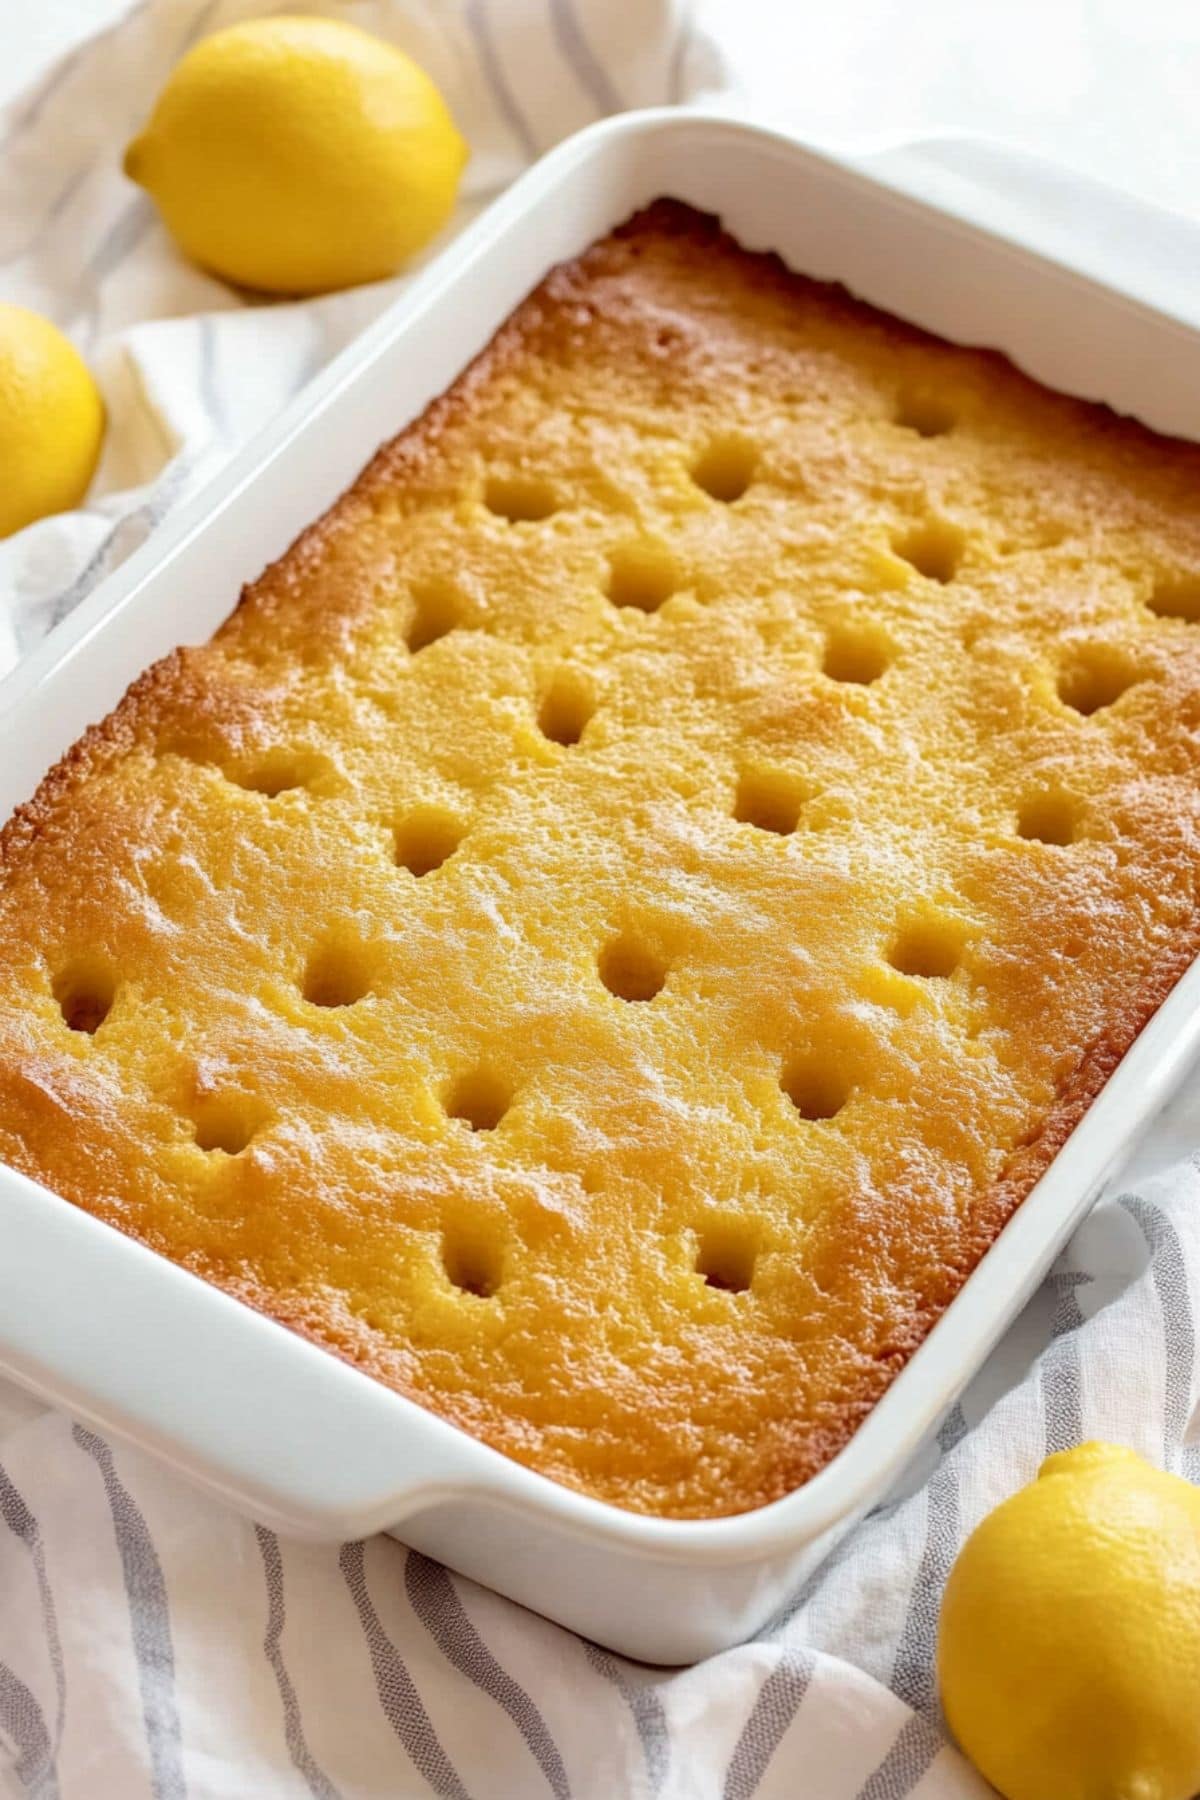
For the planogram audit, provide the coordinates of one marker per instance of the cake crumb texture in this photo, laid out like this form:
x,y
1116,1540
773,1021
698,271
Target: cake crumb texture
x,y
613,924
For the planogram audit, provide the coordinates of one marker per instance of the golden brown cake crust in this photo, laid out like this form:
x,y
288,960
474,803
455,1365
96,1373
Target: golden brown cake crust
x,y
621,914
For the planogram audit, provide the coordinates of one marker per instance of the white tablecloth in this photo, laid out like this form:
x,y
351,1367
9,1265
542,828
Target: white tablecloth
x,y
152,1644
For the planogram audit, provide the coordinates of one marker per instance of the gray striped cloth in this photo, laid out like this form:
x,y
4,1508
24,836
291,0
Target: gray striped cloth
x,y
153,1645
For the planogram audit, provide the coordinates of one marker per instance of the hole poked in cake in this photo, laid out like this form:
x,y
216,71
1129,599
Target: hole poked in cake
x,y
929,947
726,1252
770,800
479,1099
281,772
225,1122
1049,817
437,607
1176,597
934,549
567,705
924,411
338,973
642,574
85,990
521,499
472,1258
631,970
1094,677
856,653
814,1086
426,839
725,468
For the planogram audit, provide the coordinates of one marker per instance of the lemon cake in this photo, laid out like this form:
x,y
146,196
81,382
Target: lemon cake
x,y
620,915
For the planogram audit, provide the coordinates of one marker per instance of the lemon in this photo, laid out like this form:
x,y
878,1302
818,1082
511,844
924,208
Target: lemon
x,y
51,420
1069,1645
296,155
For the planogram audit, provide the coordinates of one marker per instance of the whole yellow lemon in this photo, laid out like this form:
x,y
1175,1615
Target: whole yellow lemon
x,y
296,155
51,420
1069,1645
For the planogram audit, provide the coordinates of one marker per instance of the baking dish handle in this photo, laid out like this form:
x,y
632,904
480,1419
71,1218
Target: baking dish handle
x,y
179,1368
1099,231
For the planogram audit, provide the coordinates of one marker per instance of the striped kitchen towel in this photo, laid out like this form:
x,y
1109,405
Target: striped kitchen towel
x,y
151,1643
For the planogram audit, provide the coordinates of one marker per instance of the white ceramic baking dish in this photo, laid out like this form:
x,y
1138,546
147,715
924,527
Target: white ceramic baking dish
x,y
121,1338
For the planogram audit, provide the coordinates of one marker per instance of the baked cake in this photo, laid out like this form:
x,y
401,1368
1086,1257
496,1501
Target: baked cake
x,y
613,925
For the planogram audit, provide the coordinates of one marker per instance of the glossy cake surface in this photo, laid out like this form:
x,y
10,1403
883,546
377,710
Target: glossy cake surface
x,y
613,924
